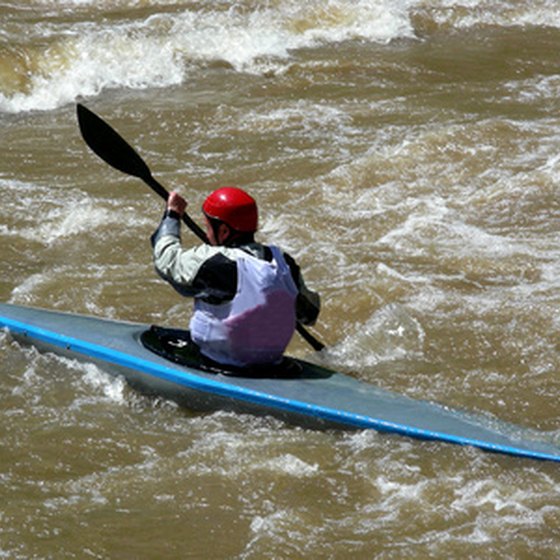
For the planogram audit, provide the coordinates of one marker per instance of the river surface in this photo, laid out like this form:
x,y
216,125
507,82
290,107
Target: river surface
x,y
406,152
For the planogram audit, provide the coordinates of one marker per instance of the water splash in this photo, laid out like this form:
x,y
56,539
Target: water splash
x,y
391,333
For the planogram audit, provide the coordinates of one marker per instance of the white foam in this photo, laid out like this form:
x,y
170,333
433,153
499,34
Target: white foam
x,y
113,388
391,333
471,13
302,114
291,465
70,223
91,60
22,291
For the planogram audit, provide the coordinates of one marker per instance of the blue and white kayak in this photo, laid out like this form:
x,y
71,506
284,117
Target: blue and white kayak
x,y
308,395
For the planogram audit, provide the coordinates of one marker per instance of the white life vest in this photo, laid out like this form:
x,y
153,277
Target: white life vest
x,y
256,326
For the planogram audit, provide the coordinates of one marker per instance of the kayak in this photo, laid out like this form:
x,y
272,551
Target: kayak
x,y
296,391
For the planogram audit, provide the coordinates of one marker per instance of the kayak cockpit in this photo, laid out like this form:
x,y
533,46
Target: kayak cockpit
x,y
177,346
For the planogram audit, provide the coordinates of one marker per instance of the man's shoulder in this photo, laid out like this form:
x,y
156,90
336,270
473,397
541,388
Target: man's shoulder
x,y
204,252
256,250
265,252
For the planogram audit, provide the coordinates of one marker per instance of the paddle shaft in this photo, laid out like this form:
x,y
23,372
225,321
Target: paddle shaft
x,y
113,149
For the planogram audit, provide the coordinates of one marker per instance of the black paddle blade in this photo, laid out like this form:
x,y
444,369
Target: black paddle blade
x,y
110,146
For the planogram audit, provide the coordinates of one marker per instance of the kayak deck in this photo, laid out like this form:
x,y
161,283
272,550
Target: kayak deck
x,y
316,397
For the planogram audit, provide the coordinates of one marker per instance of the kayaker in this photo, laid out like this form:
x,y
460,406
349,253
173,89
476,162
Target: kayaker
x,y
247,296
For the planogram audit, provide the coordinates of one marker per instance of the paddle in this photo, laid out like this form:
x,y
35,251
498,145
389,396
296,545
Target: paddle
x,y
113,149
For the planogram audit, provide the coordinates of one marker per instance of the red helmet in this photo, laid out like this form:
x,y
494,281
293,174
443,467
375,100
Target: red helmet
x,y
234,207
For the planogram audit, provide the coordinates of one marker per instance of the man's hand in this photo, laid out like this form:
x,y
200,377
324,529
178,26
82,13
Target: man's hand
x,y
176,203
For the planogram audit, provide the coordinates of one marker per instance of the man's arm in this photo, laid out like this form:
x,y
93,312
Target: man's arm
x,y
202,271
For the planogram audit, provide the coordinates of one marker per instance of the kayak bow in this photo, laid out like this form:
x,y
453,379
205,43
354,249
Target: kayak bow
x,y
316,397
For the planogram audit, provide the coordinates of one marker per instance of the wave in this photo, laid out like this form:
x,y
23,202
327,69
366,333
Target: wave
x,y
467,14
62,61
82,48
